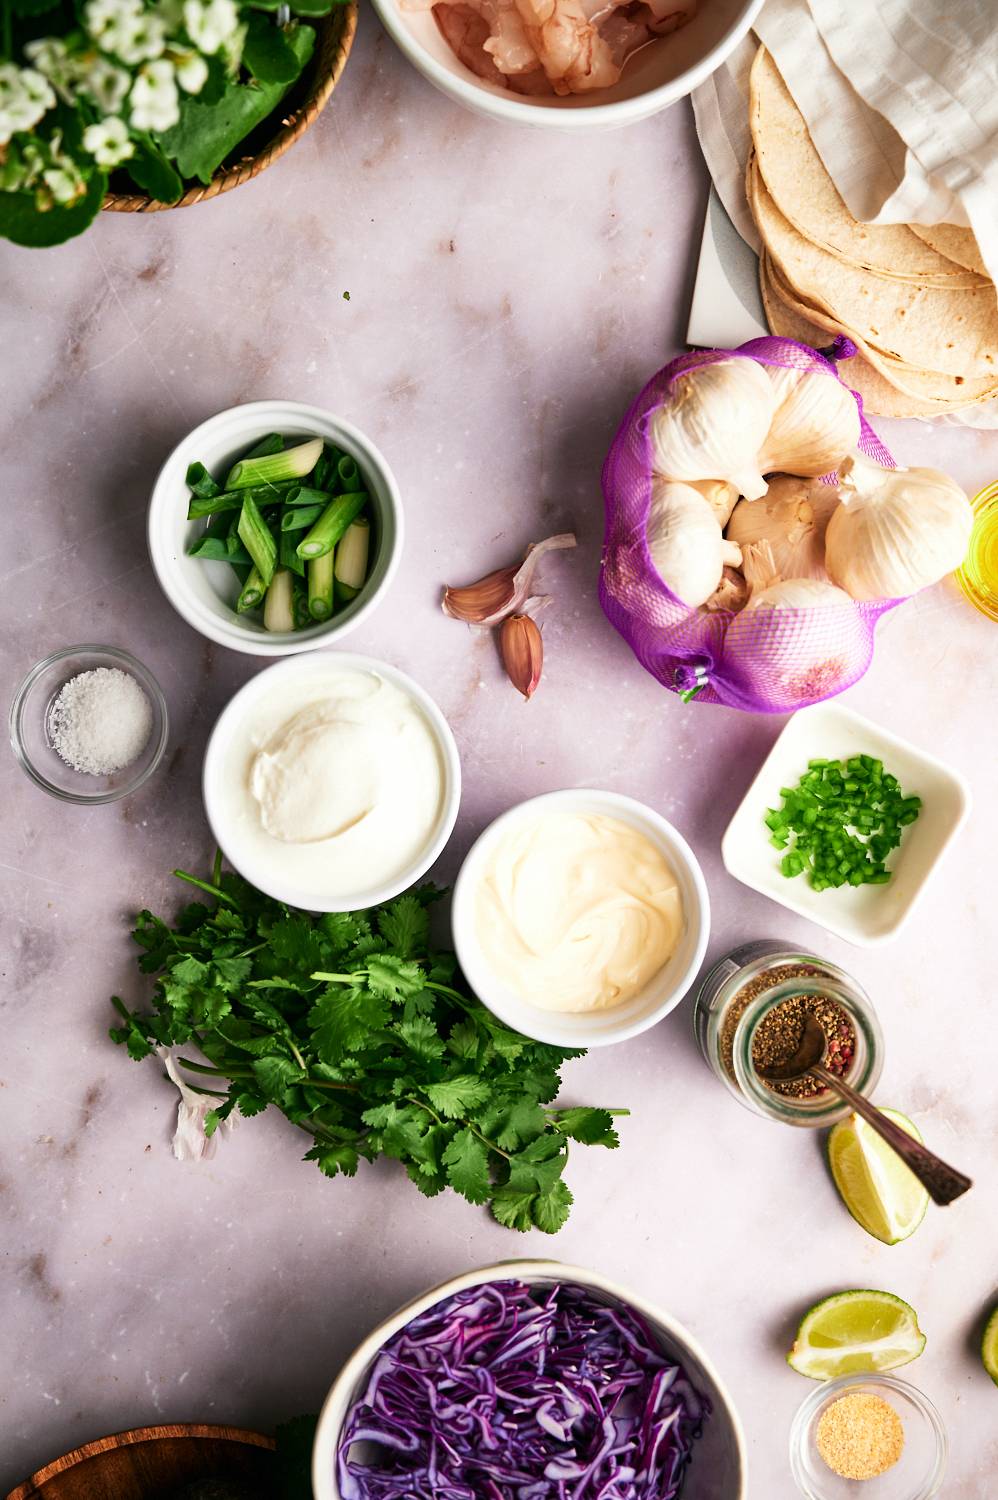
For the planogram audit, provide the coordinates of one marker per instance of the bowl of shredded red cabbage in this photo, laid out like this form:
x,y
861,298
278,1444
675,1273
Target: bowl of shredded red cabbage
x,y
521,1390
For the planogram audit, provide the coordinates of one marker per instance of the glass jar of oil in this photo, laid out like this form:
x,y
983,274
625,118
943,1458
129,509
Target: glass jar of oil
x,y
978,577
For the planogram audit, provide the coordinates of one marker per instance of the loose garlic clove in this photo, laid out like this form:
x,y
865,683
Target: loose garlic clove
x,y
712,425
685,542
522,650
896,530
491,598
815,424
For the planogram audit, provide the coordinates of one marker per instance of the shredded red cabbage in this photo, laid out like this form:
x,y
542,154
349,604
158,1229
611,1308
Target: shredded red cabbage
x,y
515,1392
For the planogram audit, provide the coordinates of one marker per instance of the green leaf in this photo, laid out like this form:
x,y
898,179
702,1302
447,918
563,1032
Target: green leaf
x,y
207,133
594,1127
343,1018
23,223
230,973
250,1104
405,926
520,1125
467,1163
393,977
149,169
189,971
342,929
464,1039
512,1207
550,1210
31,7
209,1006
276,1075
267,53
420,1036
454,1097
295,944
334,1158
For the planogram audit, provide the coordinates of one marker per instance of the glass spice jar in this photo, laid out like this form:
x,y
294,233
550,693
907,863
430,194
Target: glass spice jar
x,y
730,1019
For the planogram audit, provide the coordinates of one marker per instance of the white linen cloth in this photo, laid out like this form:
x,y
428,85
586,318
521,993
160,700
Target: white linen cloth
x,y
900,97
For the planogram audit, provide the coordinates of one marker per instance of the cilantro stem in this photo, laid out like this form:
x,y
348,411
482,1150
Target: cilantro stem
x,y
216,868
244,1073
213,890
490,1145
297,1055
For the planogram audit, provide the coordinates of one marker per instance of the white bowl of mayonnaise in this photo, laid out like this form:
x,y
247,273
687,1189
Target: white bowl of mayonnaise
x,y
580,917
331,782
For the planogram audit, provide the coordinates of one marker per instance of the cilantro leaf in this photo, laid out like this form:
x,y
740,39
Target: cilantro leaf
x,y
512,1207
550,1209
393,977
467,1163
594,1127
405,926
334,1157
454,1097
342,1019
420,1035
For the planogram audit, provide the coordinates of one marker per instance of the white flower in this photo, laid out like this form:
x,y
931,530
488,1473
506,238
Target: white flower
x,y
192,72
24,97
210,23
108,142
106,84
135,39
98,15
49,55
154,101
64,183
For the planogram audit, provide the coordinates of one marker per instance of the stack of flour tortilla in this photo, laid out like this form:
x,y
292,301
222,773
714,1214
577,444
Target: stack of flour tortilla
x,y
916,300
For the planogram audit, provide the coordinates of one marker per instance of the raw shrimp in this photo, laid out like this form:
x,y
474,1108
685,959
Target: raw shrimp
x,y
466,32
568,46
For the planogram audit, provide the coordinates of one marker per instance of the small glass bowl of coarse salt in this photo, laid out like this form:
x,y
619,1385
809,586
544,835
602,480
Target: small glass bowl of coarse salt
x,y
88,724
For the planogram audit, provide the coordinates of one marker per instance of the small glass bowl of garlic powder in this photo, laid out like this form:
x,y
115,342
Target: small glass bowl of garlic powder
x,y
580,917
89,724
868,1434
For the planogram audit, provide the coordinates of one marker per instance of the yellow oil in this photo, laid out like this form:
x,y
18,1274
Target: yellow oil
x,y
978,577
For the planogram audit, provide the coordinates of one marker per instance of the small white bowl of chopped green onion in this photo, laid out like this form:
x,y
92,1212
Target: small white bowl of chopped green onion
x,y
845,823
275,528
89,724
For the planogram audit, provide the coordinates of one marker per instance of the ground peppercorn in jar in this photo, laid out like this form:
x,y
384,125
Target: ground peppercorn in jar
x,y
751,1008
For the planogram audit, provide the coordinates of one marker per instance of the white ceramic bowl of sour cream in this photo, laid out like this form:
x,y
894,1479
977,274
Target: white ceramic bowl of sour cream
x,y
205,593
660,994
354,768
665,70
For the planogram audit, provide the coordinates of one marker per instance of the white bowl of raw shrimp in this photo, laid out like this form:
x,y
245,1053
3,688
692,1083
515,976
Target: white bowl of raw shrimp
x,y
567,64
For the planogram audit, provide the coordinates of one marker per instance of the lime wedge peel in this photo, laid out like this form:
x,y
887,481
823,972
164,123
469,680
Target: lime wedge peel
x,y
882,1194
989,1346
856,1331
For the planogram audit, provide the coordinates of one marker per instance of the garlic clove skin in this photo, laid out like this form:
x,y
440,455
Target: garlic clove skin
x,y
499,593
769,589
685,542
896,530
719,495
815,424
713,424
732,593
793,518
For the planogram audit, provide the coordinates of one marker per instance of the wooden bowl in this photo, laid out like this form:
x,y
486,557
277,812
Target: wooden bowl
x,y
300,107
150,1463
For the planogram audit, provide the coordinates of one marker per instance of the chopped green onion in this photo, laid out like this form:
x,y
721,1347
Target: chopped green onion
x,y
257,539
320,586
351,560
287,553
201,483
293,463
300,517
252,592
303,494
272,443
331,525
278,614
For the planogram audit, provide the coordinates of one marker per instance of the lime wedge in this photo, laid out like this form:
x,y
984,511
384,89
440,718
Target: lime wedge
x,y
856,1331
989,1346
876,1187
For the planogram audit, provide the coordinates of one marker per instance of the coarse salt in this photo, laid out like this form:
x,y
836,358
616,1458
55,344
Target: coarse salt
x,y
100,721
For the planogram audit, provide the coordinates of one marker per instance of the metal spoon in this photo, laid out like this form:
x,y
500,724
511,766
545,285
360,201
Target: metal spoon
x,y
943,1183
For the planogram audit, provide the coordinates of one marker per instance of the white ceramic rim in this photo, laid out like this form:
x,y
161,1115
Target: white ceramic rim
x,y
447,745
544,1026
850,932
337,1402
825,1390
584,117
272,414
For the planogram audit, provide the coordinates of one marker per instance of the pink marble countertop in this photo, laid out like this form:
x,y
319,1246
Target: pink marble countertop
x,y
509,291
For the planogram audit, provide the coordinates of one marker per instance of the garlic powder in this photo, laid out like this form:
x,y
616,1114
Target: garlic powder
x,y
100,721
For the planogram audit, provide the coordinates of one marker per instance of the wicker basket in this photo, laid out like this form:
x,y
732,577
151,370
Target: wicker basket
x,y
306,100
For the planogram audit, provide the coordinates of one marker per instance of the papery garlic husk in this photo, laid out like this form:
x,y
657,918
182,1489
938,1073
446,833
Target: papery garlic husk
x,y
798,640
896,530
189,1140
771,590
732,593
792,517
499,593
719,495
713,423
815,424
522,650
686,543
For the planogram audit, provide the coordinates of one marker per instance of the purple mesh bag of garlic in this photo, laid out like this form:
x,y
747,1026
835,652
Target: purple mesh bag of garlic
x,y
761,660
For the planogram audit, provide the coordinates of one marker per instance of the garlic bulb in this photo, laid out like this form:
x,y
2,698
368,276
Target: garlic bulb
x,y
731,593
719,495
786,661
792,517
896,530
713,423
816,423
771,590
686,542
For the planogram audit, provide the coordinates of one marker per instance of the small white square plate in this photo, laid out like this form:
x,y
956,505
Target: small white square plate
x,y
868,914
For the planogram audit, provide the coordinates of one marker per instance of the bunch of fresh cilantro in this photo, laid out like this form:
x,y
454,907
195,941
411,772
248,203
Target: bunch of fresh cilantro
x,y
358,1031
